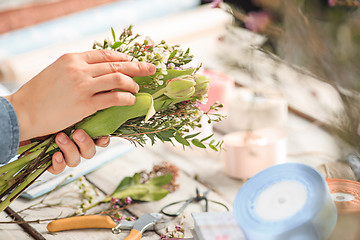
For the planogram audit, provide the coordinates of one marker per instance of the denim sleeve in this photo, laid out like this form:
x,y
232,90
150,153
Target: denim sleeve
x,y
9,131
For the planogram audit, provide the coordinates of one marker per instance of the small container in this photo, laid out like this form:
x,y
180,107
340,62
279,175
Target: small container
x,y
249,152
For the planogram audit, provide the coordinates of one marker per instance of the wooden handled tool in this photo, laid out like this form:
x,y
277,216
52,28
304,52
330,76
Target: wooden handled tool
x,y
134,235
81,222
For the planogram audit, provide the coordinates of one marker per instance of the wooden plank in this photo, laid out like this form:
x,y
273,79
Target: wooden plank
x,y
70,201
11,231
141,159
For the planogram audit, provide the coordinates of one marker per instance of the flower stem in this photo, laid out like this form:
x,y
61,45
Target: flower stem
x,y
25,159
94,205
9,174
29,180
159,93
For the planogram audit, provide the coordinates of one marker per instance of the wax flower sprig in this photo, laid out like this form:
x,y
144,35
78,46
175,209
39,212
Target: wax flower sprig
x,y
166,109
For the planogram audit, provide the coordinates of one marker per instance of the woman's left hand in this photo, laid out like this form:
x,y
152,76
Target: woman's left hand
x,y
71,151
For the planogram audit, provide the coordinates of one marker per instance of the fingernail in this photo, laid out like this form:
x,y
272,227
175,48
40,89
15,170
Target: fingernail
x,y
151,68
58,159
62,138
80,136
137,88
106,140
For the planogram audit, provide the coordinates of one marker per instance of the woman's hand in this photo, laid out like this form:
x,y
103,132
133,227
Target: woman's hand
x,y
74,87
83,146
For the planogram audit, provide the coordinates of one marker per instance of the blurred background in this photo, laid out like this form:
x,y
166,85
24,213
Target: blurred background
x,y
272,63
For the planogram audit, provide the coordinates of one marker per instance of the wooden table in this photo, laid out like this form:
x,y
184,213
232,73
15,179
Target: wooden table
x,y
197,169
307,143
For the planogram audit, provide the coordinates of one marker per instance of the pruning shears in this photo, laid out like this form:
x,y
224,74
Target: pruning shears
x,y
146,222
197,198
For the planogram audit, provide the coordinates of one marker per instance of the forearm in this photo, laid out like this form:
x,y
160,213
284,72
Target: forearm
x,y
9,131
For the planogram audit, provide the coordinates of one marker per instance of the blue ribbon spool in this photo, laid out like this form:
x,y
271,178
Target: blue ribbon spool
x,y
288,201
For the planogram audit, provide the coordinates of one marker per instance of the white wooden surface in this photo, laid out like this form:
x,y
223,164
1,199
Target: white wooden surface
x,y
307,143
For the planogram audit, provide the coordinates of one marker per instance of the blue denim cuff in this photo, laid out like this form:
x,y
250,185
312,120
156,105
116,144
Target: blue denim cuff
x,y
9,131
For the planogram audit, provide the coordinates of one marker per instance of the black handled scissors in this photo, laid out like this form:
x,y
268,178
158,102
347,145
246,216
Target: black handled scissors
x,y
199,197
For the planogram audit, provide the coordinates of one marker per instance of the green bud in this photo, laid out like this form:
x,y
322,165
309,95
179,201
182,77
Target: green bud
x,y
180,87
202,85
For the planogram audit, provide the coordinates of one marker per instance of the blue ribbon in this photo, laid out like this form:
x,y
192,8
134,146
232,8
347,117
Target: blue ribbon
x,y
315,220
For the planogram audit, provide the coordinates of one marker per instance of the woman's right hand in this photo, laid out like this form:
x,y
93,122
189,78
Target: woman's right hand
x,y
74,87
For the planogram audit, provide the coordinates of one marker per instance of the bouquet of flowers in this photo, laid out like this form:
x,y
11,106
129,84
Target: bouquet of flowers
x,y
166,109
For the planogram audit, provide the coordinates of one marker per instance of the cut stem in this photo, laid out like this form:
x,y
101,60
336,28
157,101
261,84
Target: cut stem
x,y
28,181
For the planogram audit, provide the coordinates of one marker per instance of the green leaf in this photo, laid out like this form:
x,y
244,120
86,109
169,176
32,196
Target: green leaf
x,y
172,54
116,45
213,147
143,80
191,135
166,135
125,183
187,51
160,180
152,138
151,111
173,73
181,140
197,143
136,178
206,138
113,34
150,191
136,192
159,137
154,193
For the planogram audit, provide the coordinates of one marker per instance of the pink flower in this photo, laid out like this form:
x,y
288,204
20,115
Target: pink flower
x,y
332,2
223,237
216,3
178,228
132,219
146,48
114,200
128,200
163,236
257,21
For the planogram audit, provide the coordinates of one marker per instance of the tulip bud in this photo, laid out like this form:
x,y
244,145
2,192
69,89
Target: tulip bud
x,y
202,85
180,87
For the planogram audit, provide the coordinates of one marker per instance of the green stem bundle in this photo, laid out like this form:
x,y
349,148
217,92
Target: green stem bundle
x,y
168,117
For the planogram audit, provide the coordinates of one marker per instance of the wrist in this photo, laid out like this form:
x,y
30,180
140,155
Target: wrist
x,y
22,118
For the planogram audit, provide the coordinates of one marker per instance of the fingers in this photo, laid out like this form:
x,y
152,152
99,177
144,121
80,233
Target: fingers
x,y
85,143
115,81
114,98
98,56
71,152
68,148
58,163
103,141
132,69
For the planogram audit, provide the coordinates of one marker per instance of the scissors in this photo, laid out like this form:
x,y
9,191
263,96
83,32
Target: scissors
x,y
198,198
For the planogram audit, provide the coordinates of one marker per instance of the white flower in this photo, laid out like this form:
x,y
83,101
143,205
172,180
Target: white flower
x,y
79,211
149,40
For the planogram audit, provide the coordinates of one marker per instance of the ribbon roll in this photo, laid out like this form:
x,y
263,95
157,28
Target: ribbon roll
x,y
346,195
289,201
